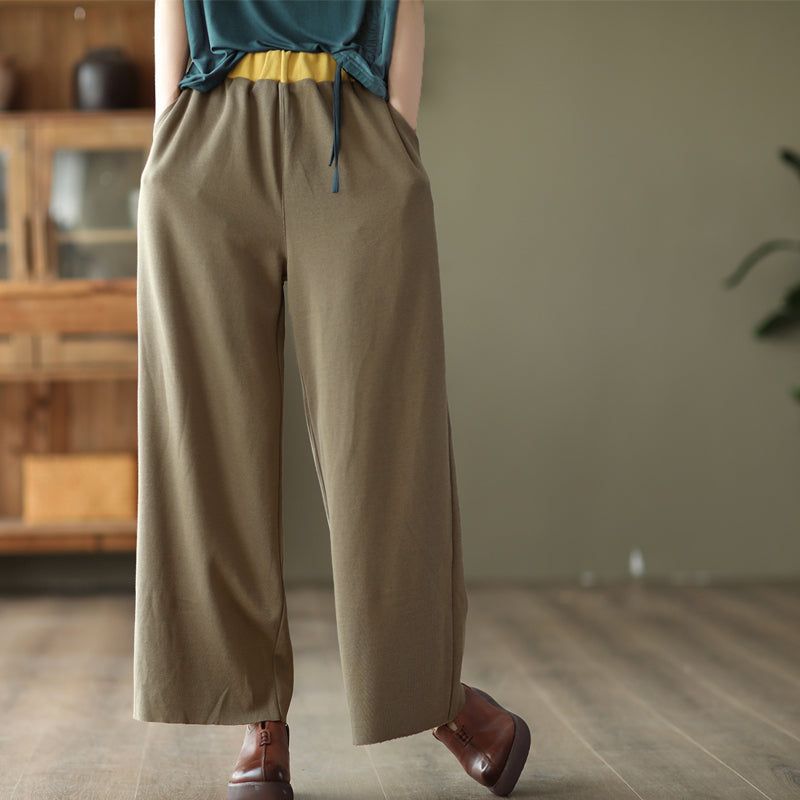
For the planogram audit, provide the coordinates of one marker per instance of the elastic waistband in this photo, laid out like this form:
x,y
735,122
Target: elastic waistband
x,y
286,66
290,66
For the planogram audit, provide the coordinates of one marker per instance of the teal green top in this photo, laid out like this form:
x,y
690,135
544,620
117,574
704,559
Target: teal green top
x,y
357,33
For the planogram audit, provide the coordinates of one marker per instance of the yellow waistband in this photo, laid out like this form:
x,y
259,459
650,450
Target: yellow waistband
x,y
286,66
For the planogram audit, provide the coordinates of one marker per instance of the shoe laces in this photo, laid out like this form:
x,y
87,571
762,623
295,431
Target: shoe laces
x,y
264,737
460,732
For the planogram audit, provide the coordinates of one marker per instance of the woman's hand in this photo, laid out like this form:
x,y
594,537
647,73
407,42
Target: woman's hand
x,y
171,51
405,67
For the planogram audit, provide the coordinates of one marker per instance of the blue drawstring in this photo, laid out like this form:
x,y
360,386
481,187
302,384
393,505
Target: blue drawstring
x,y
337,120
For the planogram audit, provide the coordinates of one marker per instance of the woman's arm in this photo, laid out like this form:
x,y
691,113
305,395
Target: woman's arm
x,y
171,50
405,67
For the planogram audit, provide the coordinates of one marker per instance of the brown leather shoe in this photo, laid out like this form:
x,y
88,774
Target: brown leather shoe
x,y
262,770
490,742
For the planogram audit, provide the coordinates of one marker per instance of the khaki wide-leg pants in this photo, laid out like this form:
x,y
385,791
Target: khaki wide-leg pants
x,y
236,201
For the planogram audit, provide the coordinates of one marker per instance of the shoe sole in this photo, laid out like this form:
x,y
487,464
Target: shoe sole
x,y
260,790
518,754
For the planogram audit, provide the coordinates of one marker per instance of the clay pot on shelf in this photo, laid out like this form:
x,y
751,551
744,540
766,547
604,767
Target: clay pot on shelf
x,y
105,78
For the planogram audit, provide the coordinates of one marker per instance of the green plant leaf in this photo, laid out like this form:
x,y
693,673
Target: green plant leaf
x,y
760,253
792,297
778,322
791,158
784,318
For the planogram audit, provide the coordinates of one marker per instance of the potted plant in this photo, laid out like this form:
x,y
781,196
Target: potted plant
x,y
787,316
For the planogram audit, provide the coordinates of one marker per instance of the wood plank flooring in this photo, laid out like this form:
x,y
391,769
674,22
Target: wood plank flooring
x,y
656,693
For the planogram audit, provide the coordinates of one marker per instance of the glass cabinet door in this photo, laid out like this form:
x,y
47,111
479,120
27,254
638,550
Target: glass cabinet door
x,y
5,265
15,349
92,212
89,166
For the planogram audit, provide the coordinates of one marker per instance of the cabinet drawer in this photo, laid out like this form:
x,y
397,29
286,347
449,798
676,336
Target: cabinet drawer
x,y
78,486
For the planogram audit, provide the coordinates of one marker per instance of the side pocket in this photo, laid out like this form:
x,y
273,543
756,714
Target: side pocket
x,y
161,124
403,122
407,134
166,111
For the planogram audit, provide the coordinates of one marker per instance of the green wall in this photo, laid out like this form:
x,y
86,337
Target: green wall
x,y
597,169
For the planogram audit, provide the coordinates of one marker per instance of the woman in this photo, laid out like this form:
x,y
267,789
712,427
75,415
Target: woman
x,y
286,153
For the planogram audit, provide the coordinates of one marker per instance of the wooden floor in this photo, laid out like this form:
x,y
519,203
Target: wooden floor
x,y
631,693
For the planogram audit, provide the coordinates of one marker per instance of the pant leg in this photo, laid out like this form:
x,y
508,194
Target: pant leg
x,y
211,640
364,300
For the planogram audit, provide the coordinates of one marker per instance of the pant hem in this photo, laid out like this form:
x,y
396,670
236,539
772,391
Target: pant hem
x,y
221,719
399,733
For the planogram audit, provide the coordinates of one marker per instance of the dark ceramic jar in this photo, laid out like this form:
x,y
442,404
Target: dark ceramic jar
x,y
105,78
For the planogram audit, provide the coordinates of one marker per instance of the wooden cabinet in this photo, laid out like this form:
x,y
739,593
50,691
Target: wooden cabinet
x,y
69,187
15,234
68,194
72,183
